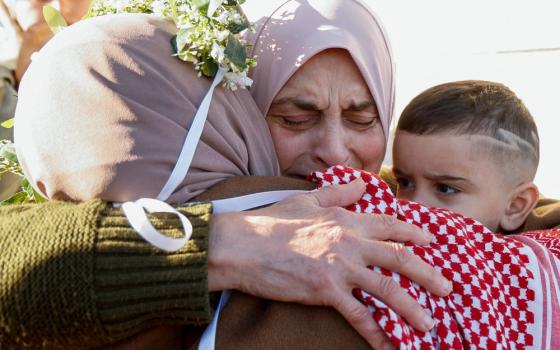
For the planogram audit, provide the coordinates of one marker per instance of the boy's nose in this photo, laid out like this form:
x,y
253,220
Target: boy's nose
x,y
423,197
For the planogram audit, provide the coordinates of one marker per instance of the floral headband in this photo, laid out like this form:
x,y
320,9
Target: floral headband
x,y
208,32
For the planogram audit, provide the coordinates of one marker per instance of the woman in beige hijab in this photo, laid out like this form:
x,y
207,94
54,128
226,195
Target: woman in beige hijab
x,y
325,72
104,138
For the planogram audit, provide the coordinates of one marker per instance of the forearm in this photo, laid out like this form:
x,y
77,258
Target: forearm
x,y
76,275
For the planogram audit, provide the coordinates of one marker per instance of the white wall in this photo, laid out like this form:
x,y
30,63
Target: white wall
x,y
513,42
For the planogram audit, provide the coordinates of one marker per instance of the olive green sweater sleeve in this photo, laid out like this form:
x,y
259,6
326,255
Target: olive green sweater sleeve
x,y
77,275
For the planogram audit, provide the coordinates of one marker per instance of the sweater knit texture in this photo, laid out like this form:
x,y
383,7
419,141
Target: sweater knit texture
x,y
125,285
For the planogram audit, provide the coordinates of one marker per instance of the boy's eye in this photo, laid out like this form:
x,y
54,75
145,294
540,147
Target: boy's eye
x,y
404,183
446,189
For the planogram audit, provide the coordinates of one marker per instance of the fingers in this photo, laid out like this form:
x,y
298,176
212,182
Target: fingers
x,y
380,227
389,291
389,227
340,195
395,257
384,227
362,321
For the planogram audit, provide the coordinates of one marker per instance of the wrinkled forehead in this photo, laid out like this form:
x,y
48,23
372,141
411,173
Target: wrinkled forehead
x,y
288,33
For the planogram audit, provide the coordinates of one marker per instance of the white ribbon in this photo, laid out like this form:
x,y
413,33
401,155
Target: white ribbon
x,y
191,142
252,201
136,215
208,339
134,211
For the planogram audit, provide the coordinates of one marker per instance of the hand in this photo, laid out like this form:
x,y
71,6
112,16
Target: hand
x,y
308,249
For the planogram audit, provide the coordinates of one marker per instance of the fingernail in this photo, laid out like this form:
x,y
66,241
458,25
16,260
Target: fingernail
x,y
429,235
428,322
448,286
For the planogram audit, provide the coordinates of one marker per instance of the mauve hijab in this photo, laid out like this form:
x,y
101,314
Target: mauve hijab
x,y
288,33
104,110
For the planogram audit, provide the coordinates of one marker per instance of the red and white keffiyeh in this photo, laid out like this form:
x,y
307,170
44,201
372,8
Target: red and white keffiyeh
x,y
506,291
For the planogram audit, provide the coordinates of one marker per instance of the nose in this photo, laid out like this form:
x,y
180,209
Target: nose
x,y
423,196
332,147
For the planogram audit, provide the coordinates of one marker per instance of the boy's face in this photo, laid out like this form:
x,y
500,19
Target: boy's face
x,y
449,171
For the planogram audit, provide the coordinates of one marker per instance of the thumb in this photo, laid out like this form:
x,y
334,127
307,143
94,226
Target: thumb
x,y
340,195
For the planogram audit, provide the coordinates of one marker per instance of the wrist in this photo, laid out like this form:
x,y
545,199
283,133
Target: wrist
x,y
222,262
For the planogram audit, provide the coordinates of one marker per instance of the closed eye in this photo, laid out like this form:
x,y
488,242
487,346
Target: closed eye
x,y
361,121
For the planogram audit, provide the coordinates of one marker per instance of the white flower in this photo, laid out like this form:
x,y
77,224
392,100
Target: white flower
x,y
234,80
120,5
222,18
217,53
236,18
200,39
184,8
222,35
158,6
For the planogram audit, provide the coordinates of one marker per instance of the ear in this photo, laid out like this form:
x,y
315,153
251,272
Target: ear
x,y
522,201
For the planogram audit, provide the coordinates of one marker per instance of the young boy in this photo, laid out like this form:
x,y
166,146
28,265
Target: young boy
x,y
471,147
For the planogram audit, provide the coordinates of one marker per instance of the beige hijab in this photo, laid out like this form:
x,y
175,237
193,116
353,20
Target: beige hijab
x,y
104,110
290,32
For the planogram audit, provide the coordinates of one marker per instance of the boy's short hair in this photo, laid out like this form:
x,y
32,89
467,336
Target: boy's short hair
x,y
476,107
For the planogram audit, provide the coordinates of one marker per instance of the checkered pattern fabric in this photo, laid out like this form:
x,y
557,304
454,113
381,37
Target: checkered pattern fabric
x,y
548,238
493,285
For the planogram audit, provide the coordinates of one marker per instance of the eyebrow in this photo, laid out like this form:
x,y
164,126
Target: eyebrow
x,y
299,102
435,177
451,178
360,106
309,105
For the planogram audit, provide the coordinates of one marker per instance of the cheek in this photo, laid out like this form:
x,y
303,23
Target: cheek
x,y
369,148
475,208
289,145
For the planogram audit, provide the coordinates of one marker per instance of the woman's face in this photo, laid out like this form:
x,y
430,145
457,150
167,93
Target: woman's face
x,y
325,115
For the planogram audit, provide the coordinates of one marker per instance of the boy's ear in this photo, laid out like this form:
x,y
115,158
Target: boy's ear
x,y
522,201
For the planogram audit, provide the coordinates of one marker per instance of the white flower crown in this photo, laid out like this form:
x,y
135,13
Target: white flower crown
x,y
208,33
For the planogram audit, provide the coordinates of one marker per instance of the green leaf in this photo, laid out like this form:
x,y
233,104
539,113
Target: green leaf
x,y
38,197
18,198
213,6
27,188
236,28
187,57
8,123
54,19
201,5
235,52
174,13
173,42
181,39
8,151
209,69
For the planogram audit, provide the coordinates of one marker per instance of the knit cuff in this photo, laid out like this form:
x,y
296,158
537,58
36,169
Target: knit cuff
x,y
138,286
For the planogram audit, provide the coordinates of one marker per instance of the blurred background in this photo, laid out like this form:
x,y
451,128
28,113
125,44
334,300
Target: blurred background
x,y
434,41
514,42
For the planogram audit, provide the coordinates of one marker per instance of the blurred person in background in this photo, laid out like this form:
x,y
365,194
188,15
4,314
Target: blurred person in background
x,y
23,31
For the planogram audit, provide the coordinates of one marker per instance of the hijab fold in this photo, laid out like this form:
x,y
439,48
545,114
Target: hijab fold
x,y
288,33
104,110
